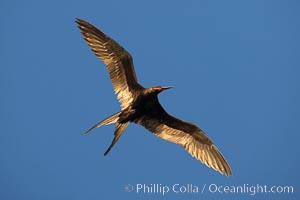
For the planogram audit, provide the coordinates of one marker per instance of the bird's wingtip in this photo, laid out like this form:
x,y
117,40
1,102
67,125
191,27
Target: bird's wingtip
x,y
80,21
228,173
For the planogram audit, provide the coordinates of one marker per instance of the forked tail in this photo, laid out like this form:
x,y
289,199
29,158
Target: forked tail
x,y
111,119
120,128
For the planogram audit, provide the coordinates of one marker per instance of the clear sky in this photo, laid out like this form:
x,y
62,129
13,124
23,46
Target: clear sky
x,y
235,66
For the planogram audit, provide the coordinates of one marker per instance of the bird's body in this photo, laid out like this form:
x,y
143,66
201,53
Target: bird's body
x,y
141,106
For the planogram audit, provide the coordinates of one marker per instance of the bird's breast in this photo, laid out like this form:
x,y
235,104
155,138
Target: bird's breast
x,y
147,105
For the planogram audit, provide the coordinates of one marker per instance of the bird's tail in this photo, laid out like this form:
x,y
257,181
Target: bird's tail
x,y
120,128
111,119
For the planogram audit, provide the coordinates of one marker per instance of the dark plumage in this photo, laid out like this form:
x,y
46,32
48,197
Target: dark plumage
x,y
141,106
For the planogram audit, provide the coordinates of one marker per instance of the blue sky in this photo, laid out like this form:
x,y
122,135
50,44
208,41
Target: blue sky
x,y
235,68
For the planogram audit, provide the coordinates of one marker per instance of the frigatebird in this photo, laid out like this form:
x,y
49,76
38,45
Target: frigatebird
x,y
141,106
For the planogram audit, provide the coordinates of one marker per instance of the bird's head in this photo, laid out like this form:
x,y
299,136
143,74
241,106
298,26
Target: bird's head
x,y
157,89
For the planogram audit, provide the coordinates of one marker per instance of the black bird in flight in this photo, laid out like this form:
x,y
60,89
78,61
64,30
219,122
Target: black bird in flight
x,y
141,106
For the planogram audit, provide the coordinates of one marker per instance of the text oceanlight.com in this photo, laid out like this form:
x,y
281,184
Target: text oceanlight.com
x,y
163,189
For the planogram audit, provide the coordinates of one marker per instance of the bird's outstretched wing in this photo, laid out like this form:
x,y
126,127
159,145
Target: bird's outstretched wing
x,y
191,137
117,60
